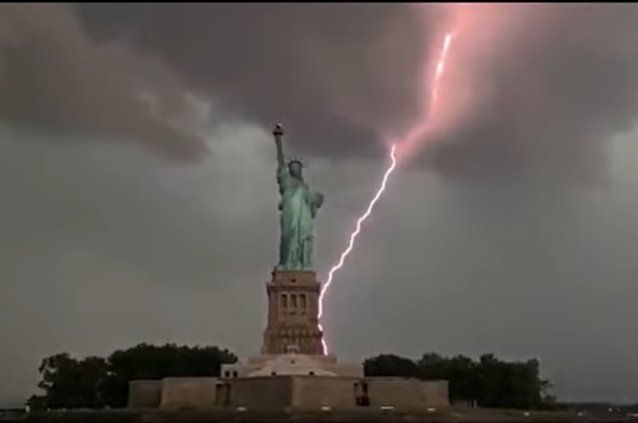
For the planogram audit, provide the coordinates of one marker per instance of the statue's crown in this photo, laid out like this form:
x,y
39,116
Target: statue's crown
x,y
297,160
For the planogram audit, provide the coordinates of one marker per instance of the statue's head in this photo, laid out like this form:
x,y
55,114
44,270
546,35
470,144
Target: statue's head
x,y
295,167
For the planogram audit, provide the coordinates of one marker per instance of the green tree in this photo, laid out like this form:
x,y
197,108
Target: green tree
x,y
96,382
488,382
432,366
510,384
389,365
461,373
151,362
71,383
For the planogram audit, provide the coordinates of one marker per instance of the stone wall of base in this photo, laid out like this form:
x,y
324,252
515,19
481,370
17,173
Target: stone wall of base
x,y
278,392
144,393
189,393
401,393
313,393
270,392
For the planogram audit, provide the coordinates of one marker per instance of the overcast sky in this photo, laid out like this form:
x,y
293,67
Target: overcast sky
x,y
514,234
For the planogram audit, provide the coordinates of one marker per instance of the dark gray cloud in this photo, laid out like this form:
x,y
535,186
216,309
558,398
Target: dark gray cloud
x,y
56,80
530,91
334,74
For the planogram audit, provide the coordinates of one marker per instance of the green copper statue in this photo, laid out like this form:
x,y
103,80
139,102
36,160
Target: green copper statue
x,y
298,207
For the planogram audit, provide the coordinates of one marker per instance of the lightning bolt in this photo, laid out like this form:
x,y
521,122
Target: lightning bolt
x,y
410,138
353,238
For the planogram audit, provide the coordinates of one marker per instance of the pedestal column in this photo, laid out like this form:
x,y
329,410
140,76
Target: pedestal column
x,y
292,314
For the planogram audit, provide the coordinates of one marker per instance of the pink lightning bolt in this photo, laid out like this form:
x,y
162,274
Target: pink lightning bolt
x,y
419,131
411,137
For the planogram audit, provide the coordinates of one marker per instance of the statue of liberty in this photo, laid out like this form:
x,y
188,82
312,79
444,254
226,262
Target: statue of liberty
x,y
298,208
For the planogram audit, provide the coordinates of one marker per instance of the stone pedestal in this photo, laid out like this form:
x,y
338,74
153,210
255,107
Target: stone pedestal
x,y
293,309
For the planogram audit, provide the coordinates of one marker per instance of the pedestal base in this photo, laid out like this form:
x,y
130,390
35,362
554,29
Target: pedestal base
x,y
293,307
291,365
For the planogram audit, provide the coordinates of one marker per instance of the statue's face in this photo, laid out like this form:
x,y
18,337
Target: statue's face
x,y
295,169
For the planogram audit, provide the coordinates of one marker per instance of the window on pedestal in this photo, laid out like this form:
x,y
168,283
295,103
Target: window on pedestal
x,y
284,300
293,301
304,303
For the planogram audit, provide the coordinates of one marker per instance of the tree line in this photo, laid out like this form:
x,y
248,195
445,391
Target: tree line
x,y
98,382
486,382
101,382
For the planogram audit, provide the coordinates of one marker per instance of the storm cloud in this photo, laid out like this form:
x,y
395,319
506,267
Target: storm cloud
x,y
537,91
530,91
56,80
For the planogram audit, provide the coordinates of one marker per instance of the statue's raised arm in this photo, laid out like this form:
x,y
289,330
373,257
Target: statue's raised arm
x,y
278,132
